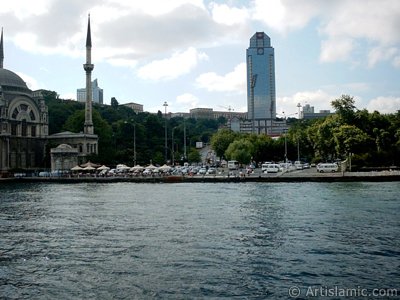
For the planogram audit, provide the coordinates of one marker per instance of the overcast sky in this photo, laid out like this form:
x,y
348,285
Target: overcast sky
x,y
192,53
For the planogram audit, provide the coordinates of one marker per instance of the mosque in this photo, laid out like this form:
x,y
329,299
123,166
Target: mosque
x,y
24,125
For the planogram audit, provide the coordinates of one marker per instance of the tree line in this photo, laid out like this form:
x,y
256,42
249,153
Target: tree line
x,y
369,139
121,130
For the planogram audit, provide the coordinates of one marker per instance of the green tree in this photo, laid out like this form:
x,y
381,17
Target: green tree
x,y
221,140
194,156
320,135
345,108
114,103
349,139
101,128
240,150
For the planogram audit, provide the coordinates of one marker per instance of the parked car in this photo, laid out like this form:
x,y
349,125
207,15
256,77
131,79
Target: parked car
x,y
211,171
202,171
298,164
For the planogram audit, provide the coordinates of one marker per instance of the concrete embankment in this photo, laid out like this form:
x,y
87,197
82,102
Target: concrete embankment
x,y
285,177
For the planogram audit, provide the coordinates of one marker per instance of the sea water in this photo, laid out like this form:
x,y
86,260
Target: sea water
x,y
199,240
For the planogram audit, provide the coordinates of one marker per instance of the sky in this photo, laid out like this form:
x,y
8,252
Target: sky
x,y
192,53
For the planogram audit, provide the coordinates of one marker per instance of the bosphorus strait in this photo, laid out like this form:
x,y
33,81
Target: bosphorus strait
x,y
198,240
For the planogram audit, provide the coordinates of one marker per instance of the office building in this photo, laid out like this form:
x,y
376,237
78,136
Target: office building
x,y
261,95
137,108
97,93
308,113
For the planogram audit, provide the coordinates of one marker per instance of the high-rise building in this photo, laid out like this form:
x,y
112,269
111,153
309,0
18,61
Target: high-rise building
x,y
97,93
261,95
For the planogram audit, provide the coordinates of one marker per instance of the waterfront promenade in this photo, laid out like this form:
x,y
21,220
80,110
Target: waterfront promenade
x,y
310,175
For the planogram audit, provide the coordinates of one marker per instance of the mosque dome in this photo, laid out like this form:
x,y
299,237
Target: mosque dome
x,y
9,81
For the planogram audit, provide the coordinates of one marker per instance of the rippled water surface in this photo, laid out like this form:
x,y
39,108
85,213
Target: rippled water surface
x,y
185,241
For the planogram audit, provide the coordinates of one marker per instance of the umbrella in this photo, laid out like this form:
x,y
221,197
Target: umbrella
x,y
137,168
165,168
90,164
103,167
89,168
76,168
151,167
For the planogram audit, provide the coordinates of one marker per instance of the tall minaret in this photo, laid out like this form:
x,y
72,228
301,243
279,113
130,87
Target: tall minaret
x,y
88,67
1,49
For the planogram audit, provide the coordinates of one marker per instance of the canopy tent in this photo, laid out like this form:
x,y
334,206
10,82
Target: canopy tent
x,y
77,168
137,168
165,168
90,164
103,167
89,168
151,167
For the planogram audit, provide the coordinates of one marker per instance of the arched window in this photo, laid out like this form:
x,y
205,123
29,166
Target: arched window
x,y
24,128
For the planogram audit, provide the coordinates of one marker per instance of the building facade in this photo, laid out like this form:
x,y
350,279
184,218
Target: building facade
x,y
308,113
261,94
137,108
97,93
23,123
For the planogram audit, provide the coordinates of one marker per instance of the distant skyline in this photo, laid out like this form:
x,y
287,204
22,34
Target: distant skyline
x,y
192,53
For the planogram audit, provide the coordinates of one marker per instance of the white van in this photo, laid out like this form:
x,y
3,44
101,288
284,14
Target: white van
x,y
327,167
298,164
272,168
264,166
233,165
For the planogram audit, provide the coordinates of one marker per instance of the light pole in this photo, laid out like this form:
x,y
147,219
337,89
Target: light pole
x,y
166,137
285,146
134,144
184,139
172,147
298,148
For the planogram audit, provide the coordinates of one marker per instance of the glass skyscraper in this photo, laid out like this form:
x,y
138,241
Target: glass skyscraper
x,y
261,96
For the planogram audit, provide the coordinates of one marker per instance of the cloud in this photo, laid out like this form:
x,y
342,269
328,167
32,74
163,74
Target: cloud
x,y
285,15
348,28
367,23
288,105
222,13
186,101
336,49
154,7
378,54
30,81
178,64
234,81
23,9
384,105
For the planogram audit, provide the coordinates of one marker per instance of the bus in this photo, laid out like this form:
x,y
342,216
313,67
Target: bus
x,y
233,165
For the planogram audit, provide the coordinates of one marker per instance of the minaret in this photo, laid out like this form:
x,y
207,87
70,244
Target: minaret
x,y
88,67
1,49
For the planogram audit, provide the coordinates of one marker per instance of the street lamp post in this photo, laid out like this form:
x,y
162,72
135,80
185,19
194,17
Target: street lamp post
x,y
285,147
298,148
184,140
172,147
166,137
134,144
